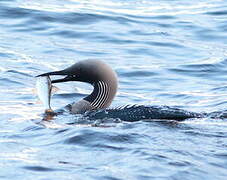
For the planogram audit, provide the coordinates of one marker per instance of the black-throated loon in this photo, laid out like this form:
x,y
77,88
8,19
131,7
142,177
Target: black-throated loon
x,y
105,83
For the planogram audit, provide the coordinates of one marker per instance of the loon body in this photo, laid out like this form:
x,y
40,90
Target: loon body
x,y
104,80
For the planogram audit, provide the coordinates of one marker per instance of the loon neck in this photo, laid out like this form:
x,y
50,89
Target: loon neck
x,y
101,96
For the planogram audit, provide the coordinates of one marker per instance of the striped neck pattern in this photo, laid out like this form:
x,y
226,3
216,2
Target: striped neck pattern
x,y
99,97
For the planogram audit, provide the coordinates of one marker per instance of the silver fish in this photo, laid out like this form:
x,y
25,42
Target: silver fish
x,y
43,87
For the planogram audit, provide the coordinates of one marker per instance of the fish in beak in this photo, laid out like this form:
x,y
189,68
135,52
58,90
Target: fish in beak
x,y
43,87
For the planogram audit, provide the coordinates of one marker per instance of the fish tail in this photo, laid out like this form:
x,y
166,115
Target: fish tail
x,y
49,111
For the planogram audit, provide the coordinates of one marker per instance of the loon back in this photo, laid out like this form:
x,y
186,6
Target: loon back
x,y
140,112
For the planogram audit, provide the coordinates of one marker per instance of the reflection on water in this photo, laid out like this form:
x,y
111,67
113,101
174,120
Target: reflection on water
x,y
164,52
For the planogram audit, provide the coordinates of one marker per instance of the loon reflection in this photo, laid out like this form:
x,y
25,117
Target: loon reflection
x,y
105,83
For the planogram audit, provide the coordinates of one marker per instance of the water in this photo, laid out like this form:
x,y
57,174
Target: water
x,y
165,53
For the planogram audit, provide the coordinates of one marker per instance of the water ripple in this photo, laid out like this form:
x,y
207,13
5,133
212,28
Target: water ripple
x,y
218,13
202,70
40,168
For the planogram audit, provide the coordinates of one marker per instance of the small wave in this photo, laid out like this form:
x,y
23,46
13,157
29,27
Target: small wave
x,y
217,13
206,121
95,138
41,168
202,70
137,73
20,73
5,55
59,17
9,82
166,44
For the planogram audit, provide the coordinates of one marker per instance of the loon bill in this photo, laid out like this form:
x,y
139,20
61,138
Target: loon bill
x,y
105,83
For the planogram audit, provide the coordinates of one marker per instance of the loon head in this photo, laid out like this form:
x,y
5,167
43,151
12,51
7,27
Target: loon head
x,y
96,73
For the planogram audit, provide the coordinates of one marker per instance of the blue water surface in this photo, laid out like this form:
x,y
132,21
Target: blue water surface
x,y
164,52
